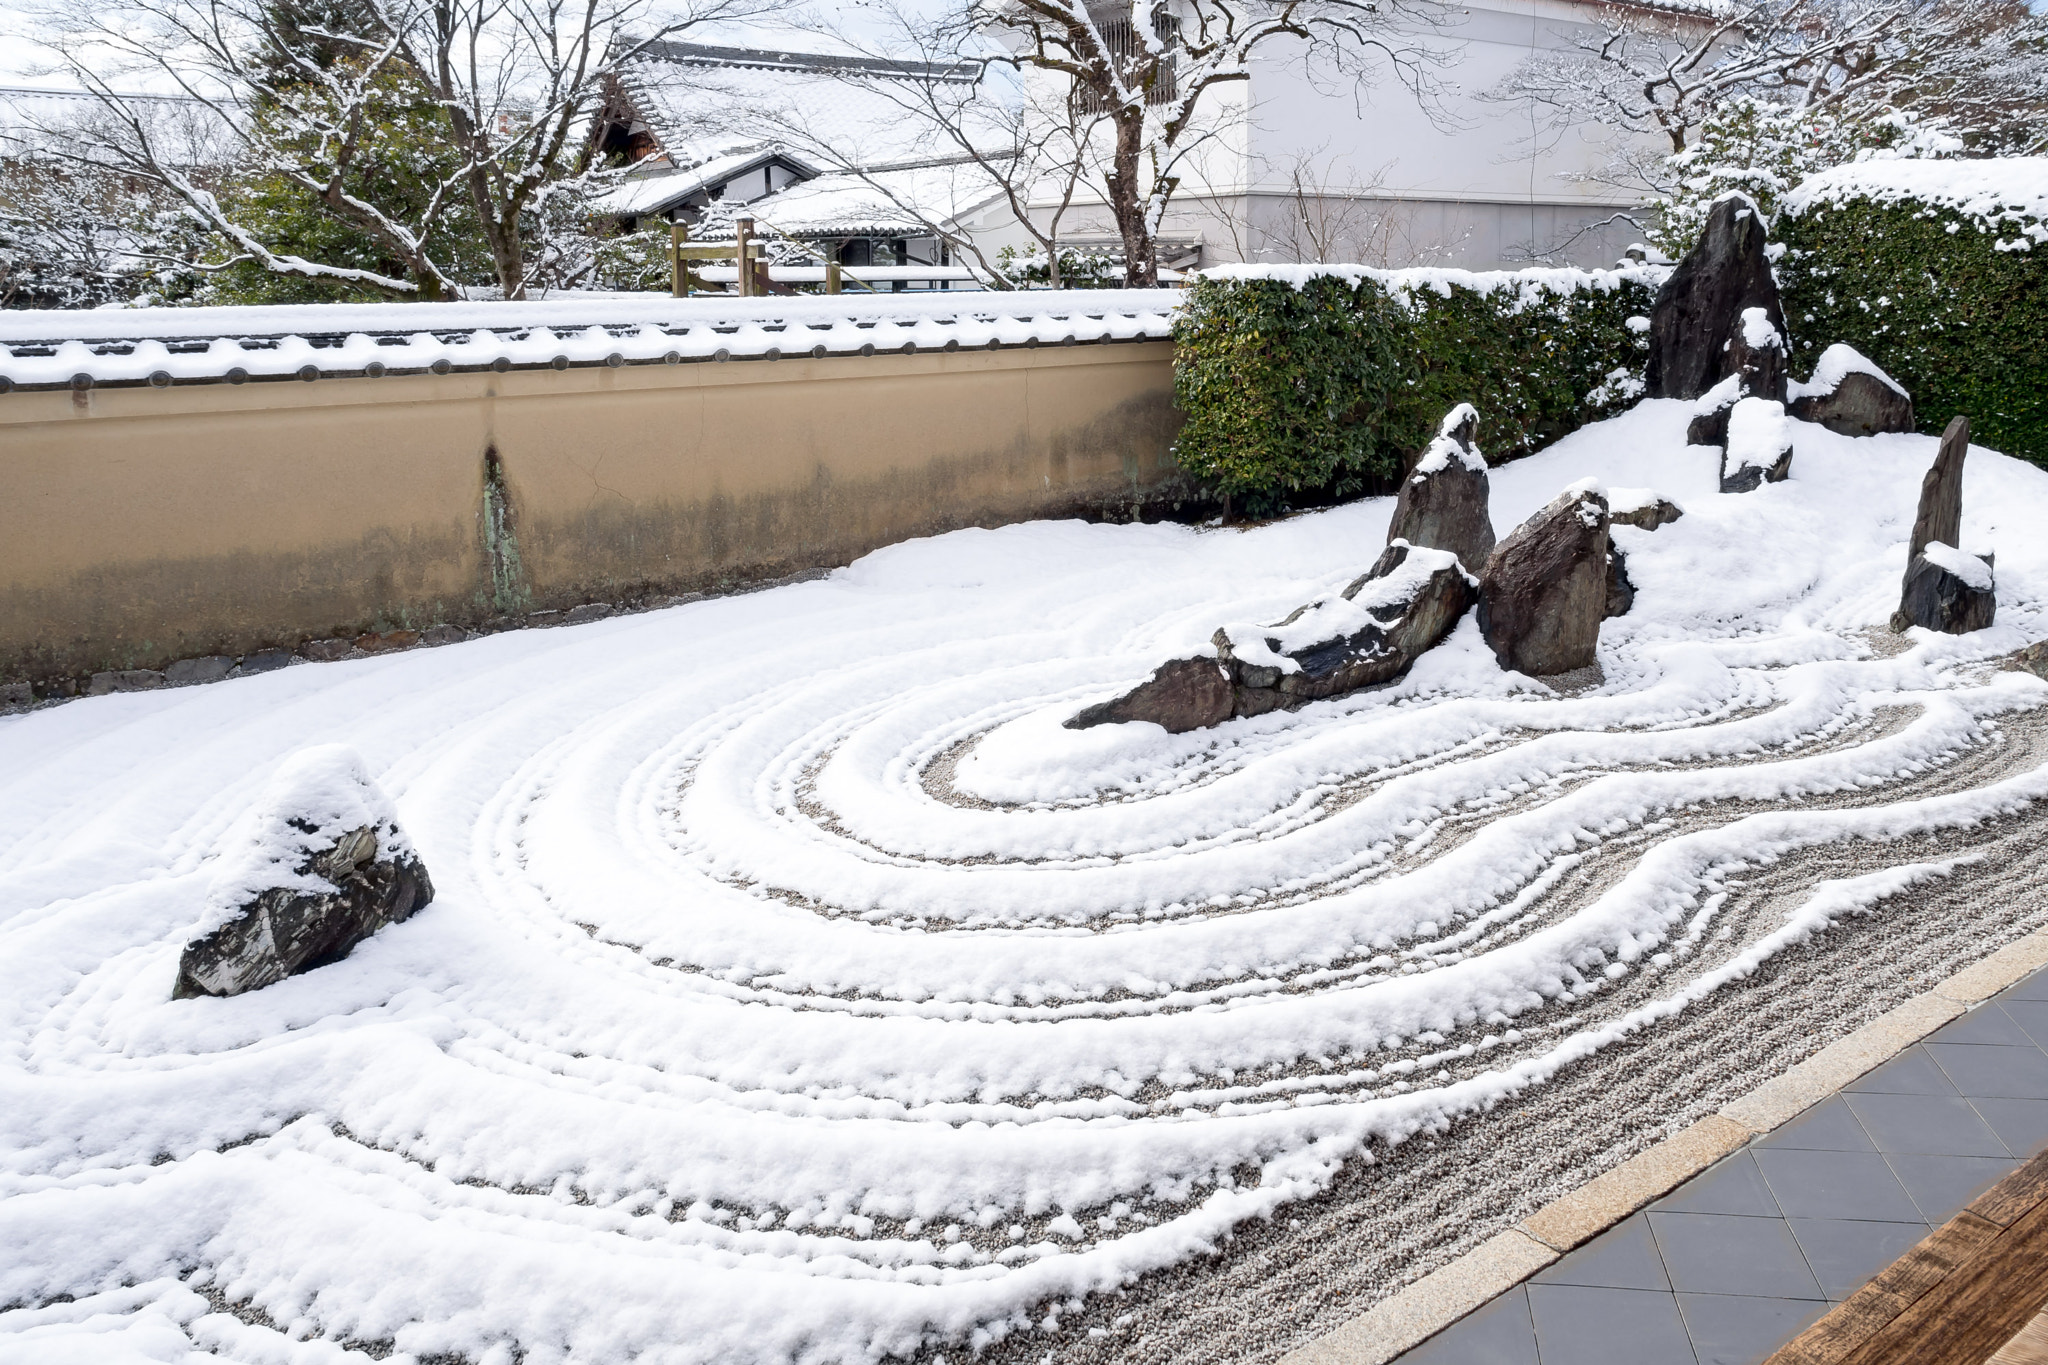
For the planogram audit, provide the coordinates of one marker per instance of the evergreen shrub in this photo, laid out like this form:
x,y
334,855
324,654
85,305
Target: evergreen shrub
x,y
1306,383
1939,273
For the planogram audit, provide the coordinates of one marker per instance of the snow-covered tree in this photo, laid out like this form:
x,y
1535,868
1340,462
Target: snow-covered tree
x,y
1145,67
421,126
1116,96
1762,149
1978,68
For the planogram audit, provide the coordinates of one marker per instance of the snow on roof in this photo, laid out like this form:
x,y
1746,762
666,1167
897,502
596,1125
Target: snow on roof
x,y
653,193
163,346
1996,192
893,203
696,99
35,118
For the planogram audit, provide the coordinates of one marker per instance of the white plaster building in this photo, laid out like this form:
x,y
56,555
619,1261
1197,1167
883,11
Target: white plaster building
x,y
1302,163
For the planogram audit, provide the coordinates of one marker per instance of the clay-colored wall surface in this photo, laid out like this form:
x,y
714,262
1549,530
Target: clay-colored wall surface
x,y
140,525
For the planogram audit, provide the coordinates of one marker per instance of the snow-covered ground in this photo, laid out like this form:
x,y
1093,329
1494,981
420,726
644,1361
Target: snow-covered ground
x,y
797,988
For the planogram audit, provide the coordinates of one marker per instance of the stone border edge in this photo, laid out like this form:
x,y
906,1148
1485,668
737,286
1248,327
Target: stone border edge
x,y
1421,1310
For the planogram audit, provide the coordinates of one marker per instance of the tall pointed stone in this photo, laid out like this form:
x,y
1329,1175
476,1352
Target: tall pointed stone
x,y
1443,501
1719,313
1941,492
1945,588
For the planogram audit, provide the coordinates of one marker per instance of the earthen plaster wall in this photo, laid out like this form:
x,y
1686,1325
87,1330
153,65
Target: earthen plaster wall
x,y
141,525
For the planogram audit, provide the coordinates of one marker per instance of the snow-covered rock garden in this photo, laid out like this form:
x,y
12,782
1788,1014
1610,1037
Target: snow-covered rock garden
x,y
796,983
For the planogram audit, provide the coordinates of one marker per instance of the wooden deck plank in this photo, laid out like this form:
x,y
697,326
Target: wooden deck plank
x,y
1975,1310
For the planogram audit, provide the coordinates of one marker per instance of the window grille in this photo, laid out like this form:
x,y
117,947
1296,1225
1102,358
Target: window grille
x,y
1119,37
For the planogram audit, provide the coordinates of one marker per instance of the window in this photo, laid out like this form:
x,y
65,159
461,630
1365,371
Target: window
x,y
1121,40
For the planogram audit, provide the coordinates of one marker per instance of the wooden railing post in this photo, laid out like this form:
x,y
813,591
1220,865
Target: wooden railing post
x,y
678,286
832,275
743,229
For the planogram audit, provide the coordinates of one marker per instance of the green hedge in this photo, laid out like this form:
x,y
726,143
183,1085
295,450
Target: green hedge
x,y
1305,383
1952,303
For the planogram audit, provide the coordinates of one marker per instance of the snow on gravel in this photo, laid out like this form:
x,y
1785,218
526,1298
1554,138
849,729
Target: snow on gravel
x,y
799,989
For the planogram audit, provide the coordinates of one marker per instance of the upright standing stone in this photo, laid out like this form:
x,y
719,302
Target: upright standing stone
x,y
1945,589
1545,589
1443,501
1941,492
1702,329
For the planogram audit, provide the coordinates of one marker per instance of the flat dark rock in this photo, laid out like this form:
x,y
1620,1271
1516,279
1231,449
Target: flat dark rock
x,y
1370,633
1181,695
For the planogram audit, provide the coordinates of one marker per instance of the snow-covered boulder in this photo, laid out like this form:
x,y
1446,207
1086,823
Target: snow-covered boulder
x,y
1372,632
1944,588
1850,395
1643,508
1759,449
1719,314
1443,501
1709,424
1545,589
1947,590
320,866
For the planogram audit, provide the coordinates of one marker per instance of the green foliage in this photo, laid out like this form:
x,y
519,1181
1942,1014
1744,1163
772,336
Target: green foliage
x,y
1331,387
1928,293
1078,269
402,165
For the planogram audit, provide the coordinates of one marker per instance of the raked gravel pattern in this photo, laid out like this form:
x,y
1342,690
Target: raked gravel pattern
x,y
799,989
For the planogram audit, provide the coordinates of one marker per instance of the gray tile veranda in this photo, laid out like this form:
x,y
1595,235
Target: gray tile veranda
x,y
1744,1256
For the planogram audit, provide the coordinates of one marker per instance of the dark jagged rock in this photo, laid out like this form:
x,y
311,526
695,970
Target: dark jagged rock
x,y
1621,592
1701,331
1759,448
323,866
1947,590
1443,501
1709,424
1851,396
2033,659
1372,632
1181,695
1640,508
1941,492
1758,354
1544,592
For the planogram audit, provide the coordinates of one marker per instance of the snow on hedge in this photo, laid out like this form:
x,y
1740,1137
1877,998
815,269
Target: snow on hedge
x,y
799,989
1531,285
2000,194
48,348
